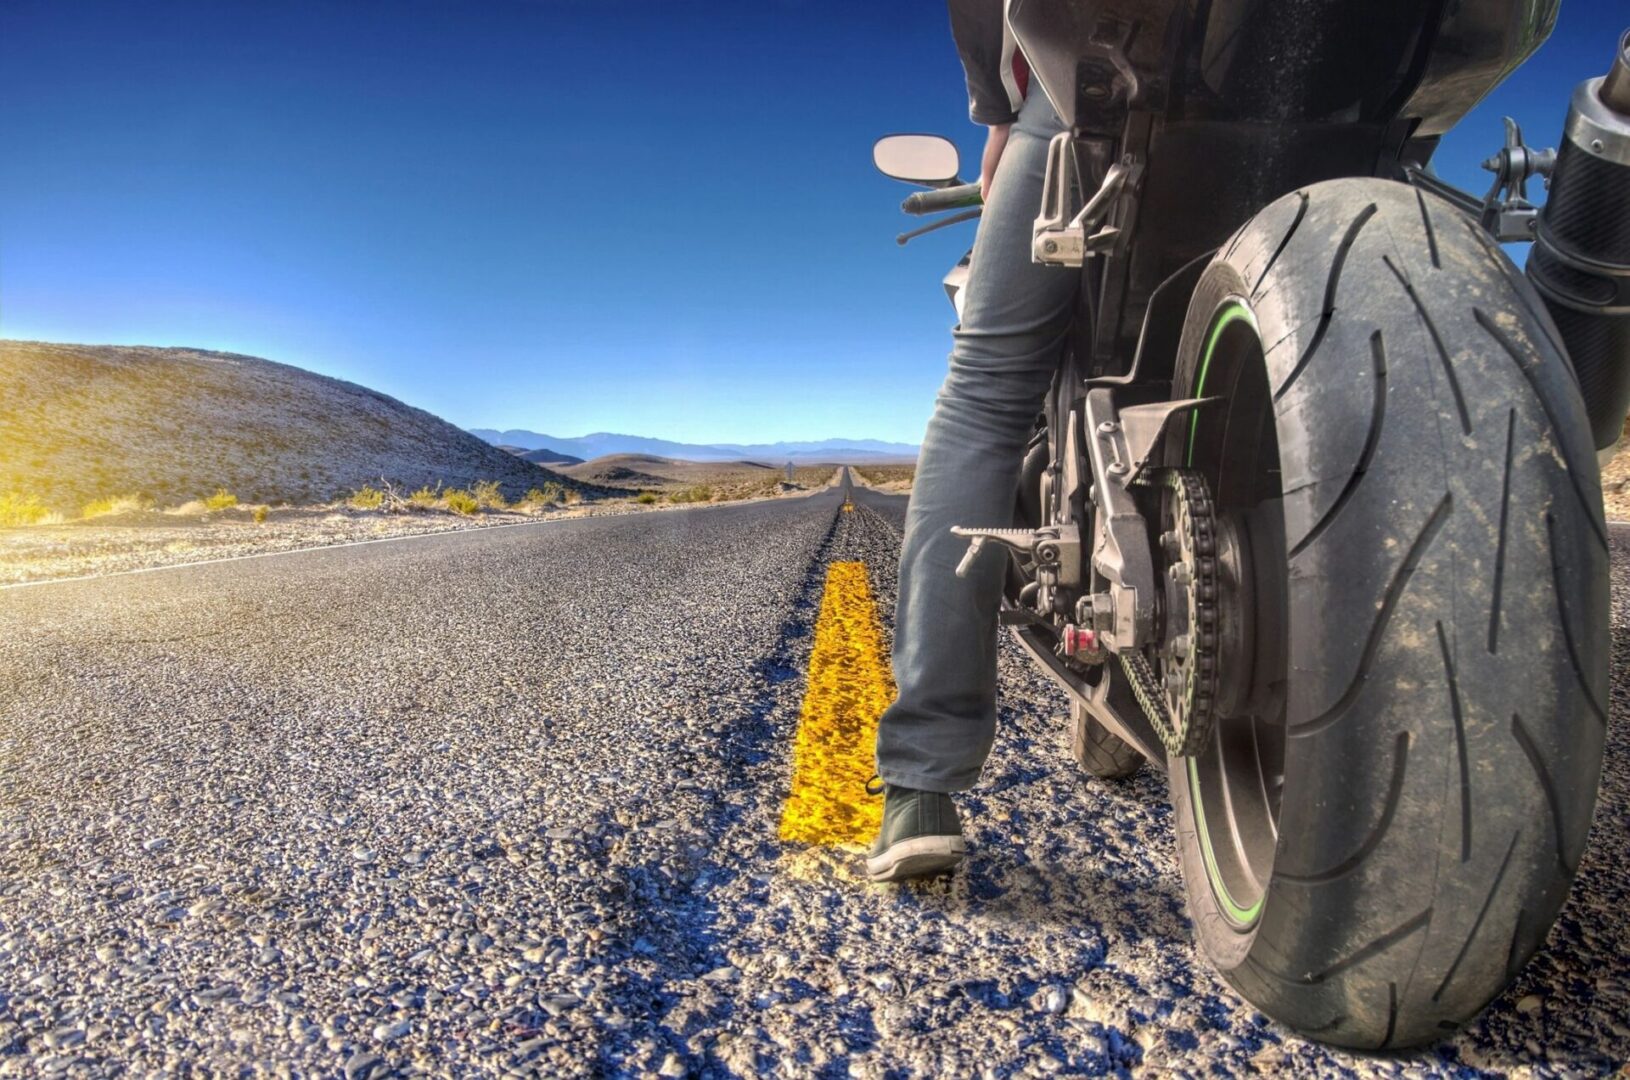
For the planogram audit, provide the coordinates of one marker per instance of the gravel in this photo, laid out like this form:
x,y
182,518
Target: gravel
x,y
505,802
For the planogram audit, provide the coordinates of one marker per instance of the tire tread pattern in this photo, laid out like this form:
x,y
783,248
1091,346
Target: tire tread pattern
x,y
1499,551
1437,344
1372,439
1383,618
1099,751
1328,312
1592,504
1435,499
1459,716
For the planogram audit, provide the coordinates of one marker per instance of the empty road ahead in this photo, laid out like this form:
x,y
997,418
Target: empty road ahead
x,y
507,800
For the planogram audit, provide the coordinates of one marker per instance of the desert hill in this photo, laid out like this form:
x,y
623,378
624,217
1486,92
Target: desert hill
x,y
602,444
635,470
81,422
541,456
546,456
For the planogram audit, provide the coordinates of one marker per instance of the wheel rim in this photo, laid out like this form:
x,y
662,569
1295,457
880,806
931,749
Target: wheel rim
x,y
1235,784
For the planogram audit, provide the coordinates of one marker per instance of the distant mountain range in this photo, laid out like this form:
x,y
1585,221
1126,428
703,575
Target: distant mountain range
x,y
601,443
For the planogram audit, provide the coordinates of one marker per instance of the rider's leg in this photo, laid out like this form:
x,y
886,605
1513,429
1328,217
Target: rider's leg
x,y
1015,316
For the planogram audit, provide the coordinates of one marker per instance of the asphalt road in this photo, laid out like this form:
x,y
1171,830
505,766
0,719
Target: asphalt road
x,y
506,801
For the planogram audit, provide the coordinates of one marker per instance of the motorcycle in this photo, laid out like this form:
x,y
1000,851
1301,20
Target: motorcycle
x,y
1312,519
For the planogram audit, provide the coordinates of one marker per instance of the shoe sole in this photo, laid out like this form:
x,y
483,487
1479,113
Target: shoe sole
x,y
921,856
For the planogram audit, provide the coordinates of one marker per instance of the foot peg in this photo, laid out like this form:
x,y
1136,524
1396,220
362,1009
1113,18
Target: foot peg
x,y
1019,540
1055,550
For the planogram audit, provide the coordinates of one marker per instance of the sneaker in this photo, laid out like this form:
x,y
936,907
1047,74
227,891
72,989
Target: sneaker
x,y
921,836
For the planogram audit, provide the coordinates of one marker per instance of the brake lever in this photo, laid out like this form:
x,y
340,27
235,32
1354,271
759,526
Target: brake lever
x,y
955,219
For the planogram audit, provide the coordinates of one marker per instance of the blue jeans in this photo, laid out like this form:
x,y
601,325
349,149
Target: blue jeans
x,y
1015,317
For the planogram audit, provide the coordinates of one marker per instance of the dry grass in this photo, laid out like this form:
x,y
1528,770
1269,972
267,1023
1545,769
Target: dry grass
x,y
877,475
812,475
680,483
488,495
700,493
460,502
482,496
115,504
366,497
540,499
739,481
18,509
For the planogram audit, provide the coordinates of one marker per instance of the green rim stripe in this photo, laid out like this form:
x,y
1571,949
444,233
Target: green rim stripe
x,y
1231,311
1242,916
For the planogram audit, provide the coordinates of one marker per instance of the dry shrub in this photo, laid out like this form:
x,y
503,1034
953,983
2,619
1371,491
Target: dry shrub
x,y
489,496
260,514
366,497
460,502
221,500
646,498
425,498
18,509
700,493
550,494
115,504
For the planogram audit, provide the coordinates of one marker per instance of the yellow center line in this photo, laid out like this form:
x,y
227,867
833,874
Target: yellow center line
x,y
849,687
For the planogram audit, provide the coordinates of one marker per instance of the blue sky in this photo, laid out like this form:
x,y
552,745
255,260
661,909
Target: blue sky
x,y
564,215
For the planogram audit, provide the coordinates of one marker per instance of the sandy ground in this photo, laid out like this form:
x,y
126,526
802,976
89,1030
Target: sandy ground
x,y
729,481
889,479
1616,484
140,541
891,487
153,538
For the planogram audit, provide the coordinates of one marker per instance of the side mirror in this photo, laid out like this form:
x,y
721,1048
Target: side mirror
x,y
919,159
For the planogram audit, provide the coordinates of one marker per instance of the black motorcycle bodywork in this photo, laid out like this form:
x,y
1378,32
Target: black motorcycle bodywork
x,y
1224,106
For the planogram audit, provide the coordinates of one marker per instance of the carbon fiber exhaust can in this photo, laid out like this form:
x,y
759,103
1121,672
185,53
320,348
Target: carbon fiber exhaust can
x,y
1580,262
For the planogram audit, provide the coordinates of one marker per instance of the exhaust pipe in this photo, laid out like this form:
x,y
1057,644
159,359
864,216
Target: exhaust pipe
x,y
1580,262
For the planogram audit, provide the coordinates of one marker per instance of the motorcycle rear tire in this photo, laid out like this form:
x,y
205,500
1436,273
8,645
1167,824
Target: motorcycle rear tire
x,y
1444,681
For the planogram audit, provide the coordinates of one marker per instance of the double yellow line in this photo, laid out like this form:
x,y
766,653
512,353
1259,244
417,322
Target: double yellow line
x,y
849,687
